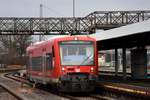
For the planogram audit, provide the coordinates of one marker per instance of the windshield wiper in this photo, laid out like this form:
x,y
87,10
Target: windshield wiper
x,y
87,58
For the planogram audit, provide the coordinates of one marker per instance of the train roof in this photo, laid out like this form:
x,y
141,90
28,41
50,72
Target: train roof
x,y
41,43
68,36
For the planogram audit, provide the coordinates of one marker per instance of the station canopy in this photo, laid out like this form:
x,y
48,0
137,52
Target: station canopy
x,y
132,35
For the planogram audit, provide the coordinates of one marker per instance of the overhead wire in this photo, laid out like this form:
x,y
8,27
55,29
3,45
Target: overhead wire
x,y
52,10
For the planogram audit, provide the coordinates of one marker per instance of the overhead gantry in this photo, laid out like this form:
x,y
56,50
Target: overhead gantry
x,y
69,25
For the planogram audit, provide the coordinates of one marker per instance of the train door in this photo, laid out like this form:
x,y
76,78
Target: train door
x,y
30,62
47,64
29,65
44,64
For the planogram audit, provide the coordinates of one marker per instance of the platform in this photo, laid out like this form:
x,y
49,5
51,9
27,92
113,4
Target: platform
x,y
129,86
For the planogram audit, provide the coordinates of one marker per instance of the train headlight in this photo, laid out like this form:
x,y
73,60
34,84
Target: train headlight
x,y
92,68
63,69
75,38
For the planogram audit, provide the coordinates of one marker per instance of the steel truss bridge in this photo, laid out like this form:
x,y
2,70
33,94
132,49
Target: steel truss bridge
x,y
65,25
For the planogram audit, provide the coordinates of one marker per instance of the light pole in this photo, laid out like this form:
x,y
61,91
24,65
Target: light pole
x,y
74,16
41,15
41,10
74,8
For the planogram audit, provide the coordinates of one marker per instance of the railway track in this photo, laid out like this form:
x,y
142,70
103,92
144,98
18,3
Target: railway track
x,y
110,76
108,91
67,96
6,94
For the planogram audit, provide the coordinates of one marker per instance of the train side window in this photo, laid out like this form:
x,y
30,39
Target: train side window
x,y
30,62
27,61
37,63
49,60
53,51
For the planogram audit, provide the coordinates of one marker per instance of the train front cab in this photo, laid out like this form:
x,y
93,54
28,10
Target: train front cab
x,y
77,63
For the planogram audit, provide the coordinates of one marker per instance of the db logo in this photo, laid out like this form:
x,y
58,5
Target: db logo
x,y
77,70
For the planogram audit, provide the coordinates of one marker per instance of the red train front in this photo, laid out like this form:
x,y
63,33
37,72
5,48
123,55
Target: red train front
x,y
70,62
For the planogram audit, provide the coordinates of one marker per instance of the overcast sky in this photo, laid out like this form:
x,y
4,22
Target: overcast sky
x,y
26,8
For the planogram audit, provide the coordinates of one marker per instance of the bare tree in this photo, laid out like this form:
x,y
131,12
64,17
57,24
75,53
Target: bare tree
x,y
7,43
14,45
21,42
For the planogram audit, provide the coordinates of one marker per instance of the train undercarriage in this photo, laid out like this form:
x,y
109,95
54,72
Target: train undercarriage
x,y
77,83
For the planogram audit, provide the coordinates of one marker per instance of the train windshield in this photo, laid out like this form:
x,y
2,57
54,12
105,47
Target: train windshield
x,y
76,53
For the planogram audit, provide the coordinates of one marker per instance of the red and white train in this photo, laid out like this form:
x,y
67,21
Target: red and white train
x,y
70,62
